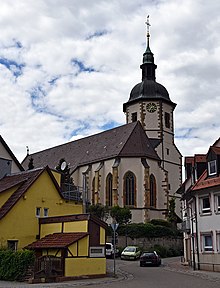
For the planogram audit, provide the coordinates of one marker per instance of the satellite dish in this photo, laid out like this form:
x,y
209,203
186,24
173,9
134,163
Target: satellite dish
x,y
63,166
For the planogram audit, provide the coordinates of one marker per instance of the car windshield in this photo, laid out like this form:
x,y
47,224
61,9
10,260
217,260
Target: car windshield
x,y
130,249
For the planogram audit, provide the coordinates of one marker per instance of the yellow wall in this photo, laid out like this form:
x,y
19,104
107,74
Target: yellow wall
x,y
76,226
81,246
57,176
85,266
102,235
21,223
50,228
6,194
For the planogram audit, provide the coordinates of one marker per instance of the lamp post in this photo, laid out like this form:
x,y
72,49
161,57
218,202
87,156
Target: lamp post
x,y
114,226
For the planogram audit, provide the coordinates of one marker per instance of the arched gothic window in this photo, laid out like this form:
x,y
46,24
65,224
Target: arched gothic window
x,y
93,191
152,191
129,189
109,190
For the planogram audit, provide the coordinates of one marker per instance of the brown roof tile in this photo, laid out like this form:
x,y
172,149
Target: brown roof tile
x,y
24,180
204,182
57,240
128,140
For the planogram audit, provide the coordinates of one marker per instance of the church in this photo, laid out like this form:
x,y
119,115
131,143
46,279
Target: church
x,y
136,165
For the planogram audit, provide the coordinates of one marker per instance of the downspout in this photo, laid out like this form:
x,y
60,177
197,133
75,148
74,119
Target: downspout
x,y
197,240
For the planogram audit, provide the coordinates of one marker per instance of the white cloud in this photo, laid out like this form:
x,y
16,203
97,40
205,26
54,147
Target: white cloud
x,y
46,100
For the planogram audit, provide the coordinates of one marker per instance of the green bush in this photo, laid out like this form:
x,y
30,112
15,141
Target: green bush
x,y
161,222
13,265
146,230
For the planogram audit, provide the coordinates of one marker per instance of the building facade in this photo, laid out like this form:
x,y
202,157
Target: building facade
x,y
201,210
135,165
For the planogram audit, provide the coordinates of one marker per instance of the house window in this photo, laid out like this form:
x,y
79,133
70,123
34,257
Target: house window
x,y
205,205
38,210
168,151
134,117
93,191
129,189
218,241
13,245
217,203
46,212
212,169
152,191
167,120
109,190
207,242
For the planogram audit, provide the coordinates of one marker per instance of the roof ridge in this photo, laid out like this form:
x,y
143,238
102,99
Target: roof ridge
x,y
13,199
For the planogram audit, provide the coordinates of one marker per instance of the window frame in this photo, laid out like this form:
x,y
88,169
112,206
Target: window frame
x,y
218,241
38,214
46,214
217,203
205,210
207,248
109,190
210,168
129,189
167,120
13,242
134,117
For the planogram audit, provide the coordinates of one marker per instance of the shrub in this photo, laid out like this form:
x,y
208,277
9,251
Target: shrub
x,y
13,265
161,222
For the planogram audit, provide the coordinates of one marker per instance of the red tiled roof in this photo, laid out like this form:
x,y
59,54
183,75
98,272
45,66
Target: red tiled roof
x,y
57,240
204,182
200,158
128,140
24,180
216,150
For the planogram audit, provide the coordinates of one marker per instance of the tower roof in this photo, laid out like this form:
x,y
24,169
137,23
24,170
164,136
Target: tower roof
x,y
148,88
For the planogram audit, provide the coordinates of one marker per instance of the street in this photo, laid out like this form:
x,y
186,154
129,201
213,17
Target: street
x,y
130,274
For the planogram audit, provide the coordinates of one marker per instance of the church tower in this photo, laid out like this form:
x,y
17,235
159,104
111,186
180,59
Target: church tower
x,y
150,104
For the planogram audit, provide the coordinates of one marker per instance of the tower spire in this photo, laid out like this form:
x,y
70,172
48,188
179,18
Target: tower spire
x,y
148,31
148,67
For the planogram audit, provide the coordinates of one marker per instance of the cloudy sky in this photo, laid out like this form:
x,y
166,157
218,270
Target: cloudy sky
x,y
67,67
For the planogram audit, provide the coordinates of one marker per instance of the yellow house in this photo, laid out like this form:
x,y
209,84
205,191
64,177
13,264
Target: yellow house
x,y
24,198
70,246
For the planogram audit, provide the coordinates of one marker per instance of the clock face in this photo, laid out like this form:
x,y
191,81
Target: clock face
x,y
151,107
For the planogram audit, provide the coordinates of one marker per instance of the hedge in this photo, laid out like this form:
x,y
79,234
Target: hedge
x,y
147,230
13,265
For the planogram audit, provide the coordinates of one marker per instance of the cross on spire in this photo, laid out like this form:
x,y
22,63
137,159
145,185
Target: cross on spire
x,y
148,25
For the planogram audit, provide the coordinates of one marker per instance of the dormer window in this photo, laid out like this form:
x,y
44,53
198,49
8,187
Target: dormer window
x,y
212,168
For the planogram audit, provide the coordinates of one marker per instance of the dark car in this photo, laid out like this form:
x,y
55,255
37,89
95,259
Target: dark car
x,y
150,258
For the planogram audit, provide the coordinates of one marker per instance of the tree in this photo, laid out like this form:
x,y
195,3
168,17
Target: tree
x,y
121,215
171,217
99,210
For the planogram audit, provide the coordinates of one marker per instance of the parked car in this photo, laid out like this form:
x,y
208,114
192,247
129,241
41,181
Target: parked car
x,y
109,250
150,258
131,253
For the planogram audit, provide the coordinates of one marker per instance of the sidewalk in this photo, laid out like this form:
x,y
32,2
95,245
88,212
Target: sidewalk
x,y
174,264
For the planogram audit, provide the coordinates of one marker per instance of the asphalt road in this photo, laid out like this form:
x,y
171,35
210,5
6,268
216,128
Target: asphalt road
x,y
130,275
